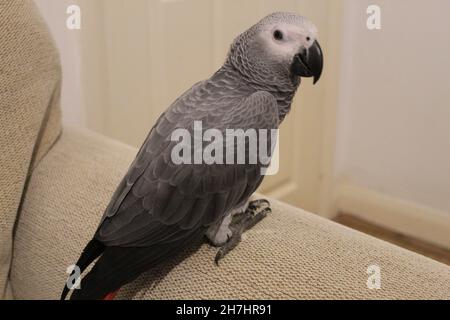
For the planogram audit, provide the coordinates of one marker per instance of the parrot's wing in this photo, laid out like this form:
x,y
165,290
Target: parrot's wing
x,y
161,202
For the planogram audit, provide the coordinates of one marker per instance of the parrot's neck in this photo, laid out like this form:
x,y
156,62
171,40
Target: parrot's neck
x,y
282,88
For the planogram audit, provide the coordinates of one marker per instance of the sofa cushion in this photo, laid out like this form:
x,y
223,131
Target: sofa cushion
x,y
29,110
291,254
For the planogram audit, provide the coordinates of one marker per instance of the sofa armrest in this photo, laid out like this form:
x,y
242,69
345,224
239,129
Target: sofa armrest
x,y
291,254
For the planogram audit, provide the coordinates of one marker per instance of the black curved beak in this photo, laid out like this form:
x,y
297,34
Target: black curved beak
x,y
309,62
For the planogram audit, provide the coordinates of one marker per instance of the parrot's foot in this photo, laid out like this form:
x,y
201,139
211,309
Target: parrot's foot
x,y
241,222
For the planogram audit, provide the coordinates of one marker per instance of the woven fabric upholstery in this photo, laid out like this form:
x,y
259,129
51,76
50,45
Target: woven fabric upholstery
x,y
29,109
291,254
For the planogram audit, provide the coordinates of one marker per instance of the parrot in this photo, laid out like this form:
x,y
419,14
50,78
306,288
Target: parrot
x,y
160,208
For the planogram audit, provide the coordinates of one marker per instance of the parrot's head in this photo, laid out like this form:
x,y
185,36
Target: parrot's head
x,y
281,45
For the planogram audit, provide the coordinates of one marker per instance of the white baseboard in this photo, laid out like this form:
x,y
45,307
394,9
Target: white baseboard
x,y
402,216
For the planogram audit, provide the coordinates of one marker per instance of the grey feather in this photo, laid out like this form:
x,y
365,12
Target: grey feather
x,y
157,199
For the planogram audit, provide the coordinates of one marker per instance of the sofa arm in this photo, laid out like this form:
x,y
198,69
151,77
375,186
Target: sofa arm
x,y
291,254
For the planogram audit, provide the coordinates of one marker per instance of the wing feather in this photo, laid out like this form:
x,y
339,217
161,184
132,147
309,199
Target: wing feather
x,y
160,202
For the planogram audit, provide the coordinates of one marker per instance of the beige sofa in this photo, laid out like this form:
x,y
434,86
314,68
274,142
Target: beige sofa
x,y
56,181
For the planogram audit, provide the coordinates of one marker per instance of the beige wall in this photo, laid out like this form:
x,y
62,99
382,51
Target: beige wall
x,y
394,108
69,45
372,138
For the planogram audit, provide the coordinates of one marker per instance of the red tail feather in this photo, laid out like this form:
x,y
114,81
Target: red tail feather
x,y
111,295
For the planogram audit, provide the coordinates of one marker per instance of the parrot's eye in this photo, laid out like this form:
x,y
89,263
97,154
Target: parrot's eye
x,y
308,39
278,35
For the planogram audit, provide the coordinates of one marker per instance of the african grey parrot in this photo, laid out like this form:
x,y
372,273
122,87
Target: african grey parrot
x,y
160,207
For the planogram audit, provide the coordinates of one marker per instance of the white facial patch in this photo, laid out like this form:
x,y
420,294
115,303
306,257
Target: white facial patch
x,y
294,37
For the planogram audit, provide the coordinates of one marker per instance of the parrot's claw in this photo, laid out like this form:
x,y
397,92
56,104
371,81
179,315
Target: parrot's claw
x,y
256,211
227,247
254,205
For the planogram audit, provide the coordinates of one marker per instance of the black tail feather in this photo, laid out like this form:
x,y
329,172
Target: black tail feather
x,y
120,265
92,250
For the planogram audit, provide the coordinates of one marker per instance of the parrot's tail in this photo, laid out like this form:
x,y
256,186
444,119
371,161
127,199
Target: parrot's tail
x,y
92,250
111,296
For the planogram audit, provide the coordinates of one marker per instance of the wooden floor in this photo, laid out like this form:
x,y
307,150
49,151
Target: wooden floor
x,y
424,248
